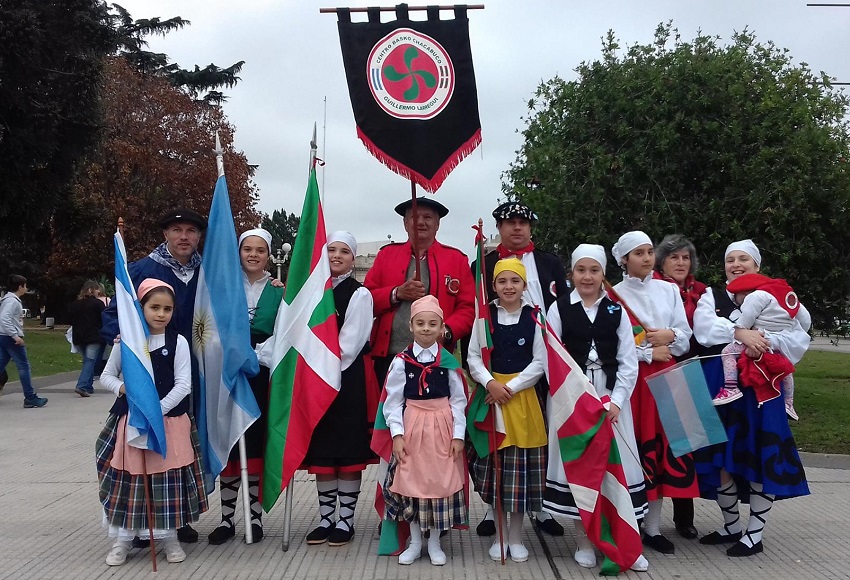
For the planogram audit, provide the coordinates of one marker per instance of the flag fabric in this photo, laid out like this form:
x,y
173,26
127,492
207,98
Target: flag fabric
x,y
305,376
484,423
412,89
221,342
592,460
638,330
145,426
684,405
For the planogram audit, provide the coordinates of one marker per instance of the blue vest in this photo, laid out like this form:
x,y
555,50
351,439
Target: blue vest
x,y
513,344
436,381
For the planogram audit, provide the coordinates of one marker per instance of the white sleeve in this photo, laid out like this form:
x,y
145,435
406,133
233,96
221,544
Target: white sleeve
x,y
553,317
792,343
627,363
679,325
357,327
110,378
805,318
182,376
457,401
710,329
394,403
753,305
530,375
477,370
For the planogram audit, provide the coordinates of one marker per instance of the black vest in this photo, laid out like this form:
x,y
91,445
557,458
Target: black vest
x,y
513,344
578,333
436,381
342,298
723,307
162,361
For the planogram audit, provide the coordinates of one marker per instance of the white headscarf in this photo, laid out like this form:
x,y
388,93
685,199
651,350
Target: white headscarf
x,y
344,237
260,233
592,251
628,242
746,246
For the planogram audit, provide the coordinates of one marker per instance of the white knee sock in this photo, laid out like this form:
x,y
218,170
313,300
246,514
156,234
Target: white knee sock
x,y
327,491
583,543
490,515
727,499
254,495
515,530
652,520
760,504
349,491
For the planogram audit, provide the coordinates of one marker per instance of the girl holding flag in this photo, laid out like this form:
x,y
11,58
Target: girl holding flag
x,y
661,331
598,334
177,494
517,364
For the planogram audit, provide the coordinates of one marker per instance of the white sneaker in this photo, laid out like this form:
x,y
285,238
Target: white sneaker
x,y
173,552
117,556
496,552
519,553
789,410
585,558
410,555
641,564
726,396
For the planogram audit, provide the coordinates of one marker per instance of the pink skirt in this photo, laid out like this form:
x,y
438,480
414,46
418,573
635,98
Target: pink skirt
x,y
179,451
429,471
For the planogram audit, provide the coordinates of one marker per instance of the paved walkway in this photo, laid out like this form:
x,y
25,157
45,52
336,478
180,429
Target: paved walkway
x,y
50,524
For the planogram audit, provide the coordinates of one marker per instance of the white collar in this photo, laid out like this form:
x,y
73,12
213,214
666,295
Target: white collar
x,y
575,297
337,279
523,303
433,349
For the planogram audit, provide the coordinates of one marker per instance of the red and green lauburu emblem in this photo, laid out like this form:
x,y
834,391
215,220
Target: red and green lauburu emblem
x,y
410,74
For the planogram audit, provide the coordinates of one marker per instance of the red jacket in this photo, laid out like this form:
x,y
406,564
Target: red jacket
x,y
451,283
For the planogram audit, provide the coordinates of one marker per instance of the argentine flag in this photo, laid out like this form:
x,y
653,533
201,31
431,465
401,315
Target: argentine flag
x,y
221,342
145,427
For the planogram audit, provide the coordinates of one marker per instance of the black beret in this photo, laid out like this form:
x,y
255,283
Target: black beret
x,y
182,215
514,209
441,210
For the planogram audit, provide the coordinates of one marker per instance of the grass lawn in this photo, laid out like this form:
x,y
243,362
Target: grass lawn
x,y
48,351
822,400
822,396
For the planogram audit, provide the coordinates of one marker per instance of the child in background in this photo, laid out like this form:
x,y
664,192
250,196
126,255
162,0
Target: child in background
x,y
517,364
177,494
425,411
767,304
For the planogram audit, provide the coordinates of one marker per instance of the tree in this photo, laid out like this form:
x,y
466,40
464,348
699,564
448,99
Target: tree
x,y
50,70
716,142
283,228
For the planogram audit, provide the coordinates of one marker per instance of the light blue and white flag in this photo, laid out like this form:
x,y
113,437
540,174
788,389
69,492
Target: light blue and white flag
x,y
689,418
145,426
221,342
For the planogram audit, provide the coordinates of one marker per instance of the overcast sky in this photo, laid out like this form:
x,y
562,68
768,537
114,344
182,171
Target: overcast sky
x,y
293,64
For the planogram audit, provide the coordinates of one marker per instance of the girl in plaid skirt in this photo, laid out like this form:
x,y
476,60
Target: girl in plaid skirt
x,y
517,364
425,412
176,483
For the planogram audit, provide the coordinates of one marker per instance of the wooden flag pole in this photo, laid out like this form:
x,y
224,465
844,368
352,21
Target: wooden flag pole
x,y
613,292
414,224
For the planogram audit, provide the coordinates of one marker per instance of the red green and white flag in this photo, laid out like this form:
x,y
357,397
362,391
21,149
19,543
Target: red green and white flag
x,y
591,460
484,423
305,367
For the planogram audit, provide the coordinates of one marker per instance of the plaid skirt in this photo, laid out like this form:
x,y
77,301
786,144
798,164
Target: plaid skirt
x,y
436,514
178,496
522,478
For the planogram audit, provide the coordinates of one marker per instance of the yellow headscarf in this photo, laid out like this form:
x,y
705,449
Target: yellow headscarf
x,y
510,265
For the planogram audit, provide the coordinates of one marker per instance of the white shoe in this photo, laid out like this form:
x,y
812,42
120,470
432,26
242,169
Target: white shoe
x,y
438,557
496,552
519,553
117,556
410,555
641,564
727,395
173,552
585,558
789,410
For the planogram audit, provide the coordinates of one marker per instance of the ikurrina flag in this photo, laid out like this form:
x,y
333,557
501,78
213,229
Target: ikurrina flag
x,y
591,460
305,374
484,422
221,342
412,88
689,417
145,426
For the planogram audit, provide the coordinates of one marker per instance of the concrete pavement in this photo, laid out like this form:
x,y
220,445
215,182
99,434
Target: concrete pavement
x,y
50,524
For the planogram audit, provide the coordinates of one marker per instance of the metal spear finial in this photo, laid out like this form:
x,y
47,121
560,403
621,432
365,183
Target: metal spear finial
x,y
219,155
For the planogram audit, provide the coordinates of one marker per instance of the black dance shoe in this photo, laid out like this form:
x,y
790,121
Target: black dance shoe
x,y
741,550
659,543
716,538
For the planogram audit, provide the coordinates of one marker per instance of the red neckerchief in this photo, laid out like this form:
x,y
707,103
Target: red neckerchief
x,y
691,292
506,253
426,368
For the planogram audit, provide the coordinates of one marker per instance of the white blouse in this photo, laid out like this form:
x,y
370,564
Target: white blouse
x,y
394,404
627,362
357,327
658,305
529,376
111,377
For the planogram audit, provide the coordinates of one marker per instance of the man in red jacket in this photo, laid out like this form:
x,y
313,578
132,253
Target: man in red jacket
x,y
444,273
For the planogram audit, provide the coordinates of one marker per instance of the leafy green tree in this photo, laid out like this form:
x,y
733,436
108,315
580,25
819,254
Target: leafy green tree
x,y
718,142
283,228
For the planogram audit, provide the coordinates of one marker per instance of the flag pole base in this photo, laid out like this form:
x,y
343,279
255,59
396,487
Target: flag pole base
x,y
287,514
